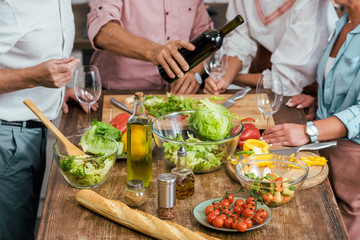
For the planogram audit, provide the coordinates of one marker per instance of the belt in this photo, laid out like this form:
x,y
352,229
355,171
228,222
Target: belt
x,y
26,124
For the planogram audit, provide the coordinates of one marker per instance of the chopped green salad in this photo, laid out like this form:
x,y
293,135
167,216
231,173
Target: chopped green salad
x,y
86,172
200,157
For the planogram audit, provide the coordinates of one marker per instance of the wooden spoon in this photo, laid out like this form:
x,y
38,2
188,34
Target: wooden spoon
x,y
71,149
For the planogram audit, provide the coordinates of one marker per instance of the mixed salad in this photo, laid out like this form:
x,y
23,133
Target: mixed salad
x,y
92,170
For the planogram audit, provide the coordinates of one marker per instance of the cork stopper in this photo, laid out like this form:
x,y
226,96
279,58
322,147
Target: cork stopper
x,y
139,95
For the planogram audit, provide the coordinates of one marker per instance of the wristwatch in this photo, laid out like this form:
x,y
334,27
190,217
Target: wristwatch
x,y
312,131
198,77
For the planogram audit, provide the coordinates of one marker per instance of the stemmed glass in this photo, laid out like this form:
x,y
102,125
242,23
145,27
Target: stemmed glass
x,y
87,86
269,94
217,63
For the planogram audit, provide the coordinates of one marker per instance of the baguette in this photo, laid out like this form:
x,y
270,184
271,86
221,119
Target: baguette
x,y
140,221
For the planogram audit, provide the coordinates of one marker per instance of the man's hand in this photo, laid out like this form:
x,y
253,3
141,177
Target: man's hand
x,y
185,85
54,73
70,95
170,59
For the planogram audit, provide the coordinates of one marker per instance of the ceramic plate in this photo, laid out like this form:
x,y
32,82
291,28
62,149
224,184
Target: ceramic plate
x,y
199,214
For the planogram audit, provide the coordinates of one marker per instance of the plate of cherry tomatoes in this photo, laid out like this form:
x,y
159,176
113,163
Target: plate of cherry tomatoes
x,y
232,214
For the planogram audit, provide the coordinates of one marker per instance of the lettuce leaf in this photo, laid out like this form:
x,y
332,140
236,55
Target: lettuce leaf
x,y
91,143
211,122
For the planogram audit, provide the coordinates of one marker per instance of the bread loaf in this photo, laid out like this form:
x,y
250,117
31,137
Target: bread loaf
x,y
140,221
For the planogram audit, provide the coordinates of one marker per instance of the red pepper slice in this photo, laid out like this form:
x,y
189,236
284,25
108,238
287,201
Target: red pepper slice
x,y
120,121
248,120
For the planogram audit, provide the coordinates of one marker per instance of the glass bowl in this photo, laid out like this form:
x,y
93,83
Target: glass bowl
x,y
272,179
172,130
88,172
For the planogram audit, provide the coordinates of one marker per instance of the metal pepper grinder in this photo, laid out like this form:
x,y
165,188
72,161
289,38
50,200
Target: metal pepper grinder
x,y
185,177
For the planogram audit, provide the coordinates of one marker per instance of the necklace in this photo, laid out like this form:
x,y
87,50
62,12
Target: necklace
x,y
351,21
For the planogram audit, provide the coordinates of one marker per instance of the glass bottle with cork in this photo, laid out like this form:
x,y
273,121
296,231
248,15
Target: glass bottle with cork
x,y
185,177
139,143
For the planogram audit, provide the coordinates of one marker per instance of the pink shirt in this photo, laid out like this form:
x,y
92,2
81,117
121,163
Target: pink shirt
x,y
159,21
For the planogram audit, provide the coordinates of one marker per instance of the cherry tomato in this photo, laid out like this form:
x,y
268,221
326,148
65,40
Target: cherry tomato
x,y
225,203
208,209
223,216
234,223
218,222
241,226
250,205
210,218
238,209
230,198
250,200
228,222
239,202
262,212
257,219
120,121
248,222
248,213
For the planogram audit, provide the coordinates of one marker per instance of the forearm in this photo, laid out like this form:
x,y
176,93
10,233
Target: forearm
x,y
250,79
337,129
235,66
16,79
113,38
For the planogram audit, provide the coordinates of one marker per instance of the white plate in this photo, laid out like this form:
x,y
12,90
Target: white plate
x,y
200,216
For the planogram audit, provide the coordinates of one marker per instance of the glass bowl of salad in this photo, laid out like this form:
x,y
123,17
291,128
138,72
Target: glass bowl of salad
x,y
272,179
90,171
209,137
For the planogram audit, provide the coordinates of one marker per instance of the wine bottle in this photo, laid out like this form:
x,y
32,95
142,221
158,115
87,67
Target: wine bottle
x,y
206,43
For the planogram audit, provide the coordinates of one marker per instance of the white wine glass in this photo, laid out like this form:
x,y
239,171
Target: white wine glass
x,y
87,86
269,94
217,63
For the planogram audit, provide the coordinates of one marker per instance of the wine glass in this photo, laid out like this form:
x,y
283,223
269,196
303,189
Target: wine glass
x,y
87,86
269,94
217,63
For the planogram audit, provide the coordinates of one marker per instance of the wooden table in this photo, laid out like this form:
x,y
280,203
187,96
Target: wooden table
x,y
312,214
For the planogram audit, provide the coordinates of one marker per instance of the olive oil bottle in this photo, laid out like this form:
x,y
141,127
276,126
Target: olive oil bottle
x,y
139,143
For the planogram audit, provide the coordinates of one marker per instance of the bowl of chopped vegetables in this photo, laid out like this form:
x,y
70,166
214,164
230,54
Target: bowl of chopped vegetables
x,y
272,179
90,171
209,137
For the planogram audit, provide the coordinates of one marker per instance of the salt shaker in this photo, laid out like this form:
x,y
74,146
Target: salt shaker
x,y
166,196
134,194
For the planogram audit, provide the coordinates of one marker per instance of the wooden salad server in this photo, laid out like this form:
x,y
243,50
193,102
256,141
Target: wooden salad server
x,y
71,149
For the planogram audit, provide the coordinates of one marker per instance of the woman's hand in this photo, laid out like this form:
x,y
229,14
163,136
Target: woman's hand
x,y
306,102
286,134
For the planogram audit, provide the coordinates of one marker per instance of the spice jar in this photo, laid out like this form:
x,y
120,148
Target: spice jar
x,y
166,196
185,181
134,194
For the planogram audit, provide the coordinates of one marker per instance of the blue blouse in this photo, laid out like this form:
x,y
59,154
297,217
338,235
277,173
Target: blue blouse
x,y
339,93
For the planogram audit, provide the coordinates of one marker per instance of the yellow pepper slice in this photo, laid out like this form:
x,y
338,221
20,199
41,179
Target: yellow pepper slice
x,y
257,146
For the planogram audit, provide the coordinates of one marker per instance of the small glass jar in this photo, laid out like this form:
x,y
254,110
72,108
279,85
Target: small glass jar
x,y
135,193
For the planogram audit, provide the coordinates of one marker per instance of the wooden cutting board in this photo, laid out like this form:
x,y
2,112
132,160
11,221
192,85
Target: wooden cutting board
x,y
244,108
316,175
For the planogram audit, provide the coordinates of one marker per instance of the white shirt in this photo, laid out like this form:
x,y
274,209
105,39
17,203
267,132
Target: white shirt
x,y
297,37
32,32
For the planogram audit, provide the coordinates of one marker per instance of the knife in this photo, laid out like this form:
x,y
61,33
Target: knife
x,y
311,146
236,96
120,105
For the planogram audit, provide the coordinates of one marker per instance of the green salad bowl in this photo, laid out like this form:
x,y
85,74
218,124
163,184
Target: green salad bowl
x,y
91,171
209,137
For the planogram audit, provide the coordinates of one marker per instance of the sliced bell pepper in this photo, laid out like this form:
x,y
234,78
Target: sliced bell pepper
x,y
257,146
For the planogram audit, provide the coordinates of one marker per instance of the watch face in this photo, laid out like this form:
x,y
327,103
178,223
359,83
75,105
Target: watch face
x,y
312,130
